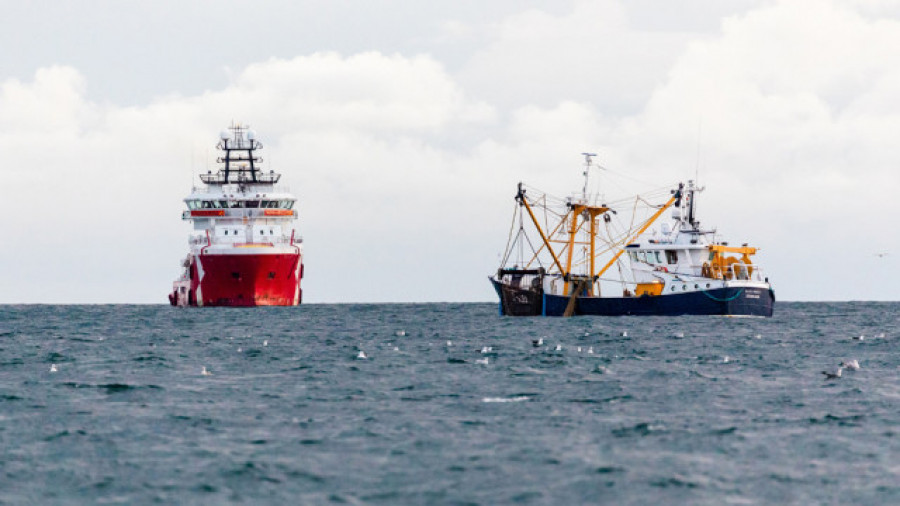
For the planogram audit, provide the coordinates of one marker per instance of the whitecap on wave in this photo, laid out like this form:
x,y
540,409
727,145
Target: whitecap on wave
x,y
506,399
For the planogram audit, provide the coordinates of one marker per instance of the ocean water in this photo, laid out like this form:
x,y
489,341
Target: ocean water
x,y
686,410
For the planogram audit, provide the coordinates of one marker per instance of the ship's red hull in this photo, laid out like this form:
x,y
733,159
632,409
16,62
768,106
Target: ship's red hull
x,y
244,280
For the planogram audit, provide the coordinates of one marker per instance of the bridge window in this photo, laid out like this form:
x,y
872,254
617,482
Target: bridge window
x,y
252,204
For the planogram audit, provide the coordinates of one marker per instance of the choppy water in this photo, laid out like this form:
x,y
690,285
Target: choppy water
x,y
681,410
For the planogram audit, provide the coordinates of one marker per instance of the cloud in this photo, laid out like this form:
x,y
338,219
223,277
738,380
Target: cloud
x,y
590,54
406,172
103,184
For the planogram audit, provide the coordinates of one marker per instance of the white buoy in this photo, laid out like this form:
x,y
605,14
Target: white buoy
x,y
53,368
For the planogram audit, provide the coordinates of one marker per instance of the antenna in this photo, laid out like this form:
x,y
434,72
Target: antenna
x,y
588,161
699,137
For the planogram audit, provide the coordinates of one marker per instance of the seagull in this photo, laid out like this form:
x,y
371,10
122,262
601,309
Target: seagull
x,y
859,338
53,368
449,343
204,372
401,333
266,342
483,361
487,349
726,359
880,336
558,347
537,342
591,350
835,374
239,350
853,365
678,335
361,355
624,333
579,349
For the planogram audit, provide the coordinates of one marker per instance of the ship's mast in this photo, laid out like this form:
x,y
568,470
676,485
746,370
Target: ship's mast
x,y
240,162
588,161
691,208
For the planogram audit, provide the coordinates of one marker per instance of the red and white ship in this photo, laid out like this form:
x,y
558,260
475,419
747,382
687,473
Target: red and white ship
x,y
244,250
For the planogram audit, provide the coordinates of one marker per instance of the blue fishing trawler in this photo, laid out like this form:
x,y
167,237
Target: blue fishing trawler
x,y
575,256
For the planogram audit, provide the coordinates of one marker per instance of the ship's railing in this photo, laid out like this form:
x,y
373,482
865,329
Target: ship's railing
x,y
239,213
744,272
240,176
228,189
201,240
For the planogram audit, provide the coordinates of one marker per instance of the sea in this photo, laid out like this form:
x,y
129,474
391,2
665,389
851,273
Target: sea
x,y
452,404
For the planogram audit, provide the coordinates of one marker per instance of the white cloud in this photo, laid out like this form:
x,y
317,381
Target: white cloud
x,y
406,173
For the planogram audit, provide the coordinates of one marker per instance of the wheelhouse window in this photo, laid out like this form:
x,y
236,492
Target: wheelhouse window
x,y
253,204
671,256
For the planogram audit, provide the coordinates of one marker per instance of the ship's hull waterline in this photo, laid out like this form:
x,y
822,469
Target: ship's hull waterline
x,y
242,281
728,301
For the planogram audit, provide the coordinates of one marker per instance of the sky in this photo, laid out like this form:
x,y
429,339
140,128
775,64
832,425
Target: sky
x,y
404,126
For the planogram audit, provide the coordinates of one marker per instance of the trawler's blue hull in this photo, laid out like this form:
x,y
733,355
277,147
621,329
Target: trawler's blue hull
x,y
732,301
